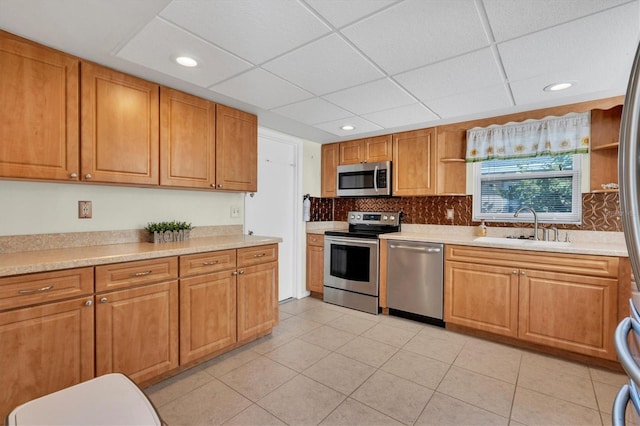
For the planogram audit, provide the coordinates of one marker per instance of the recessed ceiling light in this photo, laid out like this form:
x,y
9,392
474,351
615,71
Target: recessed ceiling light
x,y
348,127
187,61
558,86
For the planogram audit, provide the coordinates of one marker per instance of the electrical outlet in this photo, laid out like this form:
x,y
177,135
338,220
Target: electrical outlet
x,y
450,214
84,209
235,211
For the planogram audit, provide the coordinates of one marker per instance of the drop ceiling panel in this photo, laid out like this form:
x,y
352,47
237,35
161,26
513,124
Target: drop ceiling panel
x,y
261,88
340,13
447,78
327,65
417,32
159,43
370,97
511,19
313,111
574,45
471,102
256,30
401,116
361,126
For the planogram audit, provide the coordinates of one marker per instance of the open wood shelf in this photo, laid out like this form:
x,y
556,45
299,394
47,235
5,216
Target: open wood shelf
x,y
613,145
604,190
452,160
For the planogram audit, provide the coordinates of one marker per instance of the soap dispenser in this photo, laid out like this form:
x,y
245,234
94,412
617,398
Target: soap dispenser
x,y
482,230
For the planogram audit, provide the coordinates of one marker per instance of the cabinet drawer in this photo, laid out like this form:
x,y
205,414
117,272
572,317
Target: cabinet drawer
x,y
315,240
202,263
255,255
127,274
44,287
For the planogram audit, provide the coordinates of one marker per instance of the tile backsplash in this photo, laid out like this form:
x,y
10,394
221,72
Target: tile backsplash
x,y
600,211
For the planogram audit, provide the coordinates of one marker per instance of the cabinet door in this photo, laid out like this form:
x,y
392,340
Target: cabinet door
x,y
330,157
315,265
207,314
482,297
565,311
120,127
44,349
187,140
39,109
414,163
257,299
378,149
351,152
137,331
236,150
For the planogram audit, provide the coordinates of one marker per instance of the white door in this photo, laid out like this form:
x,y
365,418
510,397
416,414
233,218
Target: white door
x,y
273,210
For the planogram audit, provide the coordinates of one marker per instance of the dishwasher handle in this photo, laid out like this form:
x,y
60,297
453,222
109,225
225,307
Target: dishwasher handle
x,y
420,249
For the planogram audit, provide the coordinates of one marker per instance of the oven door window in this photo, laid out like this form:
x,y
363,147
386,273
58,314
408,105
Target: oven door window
x,y
350,262
356,180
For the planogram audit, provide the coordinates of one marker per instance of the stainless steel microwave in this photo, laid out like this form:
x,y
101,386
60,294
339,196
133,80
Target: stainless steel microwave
x,y
364,180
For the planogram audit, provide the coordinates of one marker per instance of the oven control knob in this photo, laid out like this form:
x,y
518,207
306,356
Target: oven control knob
x,y
385,217
392,218
353,216
358,217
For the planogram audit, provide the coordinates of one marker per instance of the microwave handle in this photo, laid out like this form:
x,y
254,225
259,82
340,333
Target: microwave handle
x,y
375,178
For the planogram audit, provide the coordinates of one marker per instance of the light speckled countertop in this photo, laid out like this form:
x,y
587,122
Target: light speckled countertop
x,y
582,242
75,257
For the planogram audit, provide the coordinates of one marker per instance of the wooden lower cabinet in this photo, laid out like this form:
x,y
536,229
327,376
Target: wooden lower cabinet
x,y
576,313
207,314
482,297
315,263
44,349
137,331
257,291
558,305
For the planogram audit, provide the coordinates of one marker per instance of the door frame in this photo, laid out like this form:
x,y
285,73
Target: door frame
x,y
299,288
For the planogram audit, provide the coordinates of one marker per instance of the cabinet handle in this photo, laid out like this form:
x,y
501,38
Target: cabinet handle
x,y
88,303
36,290
219,185
523,273
213,185
73,175
140,274
259,255
88,176
514,272
104,300
234,273
241,272
210,262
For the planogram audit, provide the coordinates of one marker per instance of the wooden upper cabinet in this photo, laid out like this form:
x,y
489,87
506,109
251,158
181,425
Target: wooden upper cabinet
x,y
39,110
236,150
187,140
119,127
414,156
330,157
369,150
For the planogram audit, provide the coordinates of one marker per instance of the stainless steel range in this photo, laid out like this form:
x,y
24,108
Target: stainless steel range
x,y
351,271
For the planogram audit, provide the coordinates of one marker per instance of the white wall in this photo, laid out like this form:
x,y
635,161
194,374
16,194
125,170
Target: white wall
x,y
40,208
311,168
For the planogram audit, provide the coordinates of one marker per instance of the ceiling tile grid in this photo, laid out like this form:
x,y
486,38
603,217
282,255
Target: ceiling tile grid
x,y
306,67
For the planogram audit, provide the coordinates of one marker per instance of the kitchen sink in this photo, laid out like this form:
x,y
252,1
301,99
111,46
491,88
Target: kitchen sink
x,y
517,242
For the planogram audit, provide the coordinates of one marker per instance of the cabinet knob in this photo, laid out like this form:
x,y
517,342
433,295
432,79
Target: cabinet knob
x,y
104,300
234,273
514,272
241,272
213,185
219,185
73,175
523,273
88,176
88,303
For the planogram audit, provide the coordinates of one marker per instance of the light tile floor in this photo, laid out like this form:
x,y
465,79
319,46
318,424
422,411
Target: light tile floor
x,y
328,365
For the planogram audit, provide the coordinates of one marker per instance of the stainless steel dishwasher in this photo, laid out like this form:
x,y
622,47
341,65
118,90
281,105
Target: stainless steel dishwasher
x,y
415,279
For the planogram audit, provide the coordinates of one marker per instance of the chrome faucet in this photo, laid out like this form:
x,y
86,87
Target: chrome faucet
x,y
535,219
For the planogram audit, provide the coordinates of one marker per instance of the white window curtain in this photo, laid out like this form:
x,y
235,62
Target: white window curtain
x,y
569,134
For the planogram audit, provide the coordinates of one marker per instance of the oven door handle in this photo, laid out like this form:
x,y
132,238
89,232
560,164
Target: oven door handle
x,y
375,178
359,241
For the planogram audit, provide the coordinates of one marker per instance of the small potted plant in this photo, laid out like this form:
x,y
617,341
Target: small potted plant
x,y
165,232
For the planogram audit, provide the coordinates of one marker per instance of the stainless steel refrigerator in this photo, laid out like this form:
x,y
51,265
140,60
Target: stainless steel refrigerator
x,y
627,336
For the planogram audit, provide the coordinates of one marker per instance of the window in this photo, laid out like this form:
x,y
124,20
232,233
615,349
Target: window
x,y
548,184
